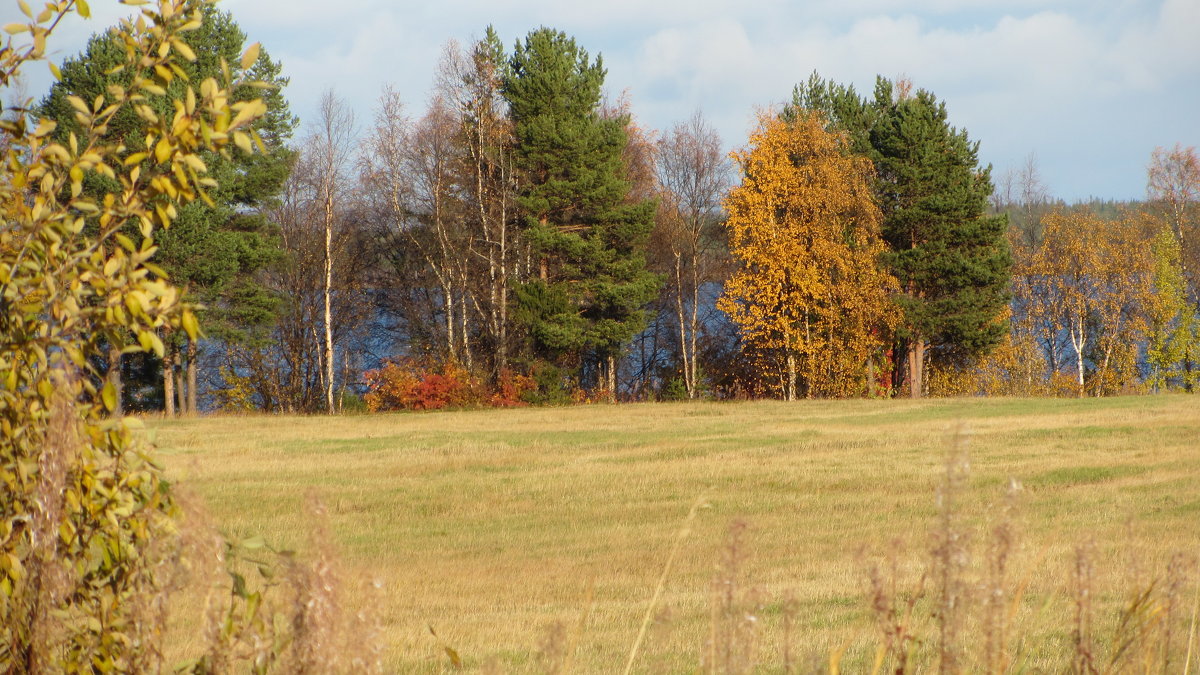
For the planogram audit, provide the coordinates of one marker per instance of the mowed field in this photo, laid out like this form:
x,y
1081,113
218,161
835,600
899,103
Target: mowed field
x,y
535,538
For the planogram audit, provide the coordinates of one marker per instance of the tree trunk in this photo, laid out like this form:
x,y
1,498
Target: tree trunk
x,y
916,367
695,320
468,357
114,377
168,384
1078,341
899,365
180,383
328,304
192,353
611,375
502,341
790,393
448,306
680,313
1100,388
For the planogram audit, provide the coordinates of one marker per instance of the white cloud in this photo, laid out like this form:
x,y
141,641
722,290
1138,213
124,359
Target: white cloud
x,y
1092,85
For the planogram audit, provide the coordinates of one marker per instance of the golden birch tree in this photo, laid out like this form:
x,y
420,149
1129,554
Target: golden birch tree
x,y
806,231
1090,278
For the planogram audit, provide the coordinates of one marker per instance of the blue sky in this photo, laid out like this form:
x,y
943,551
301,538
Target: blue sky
x,y
1090,86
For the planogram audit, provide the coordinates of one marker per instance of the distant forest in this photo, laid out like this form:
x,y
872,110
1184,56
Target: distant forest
x,y
525,240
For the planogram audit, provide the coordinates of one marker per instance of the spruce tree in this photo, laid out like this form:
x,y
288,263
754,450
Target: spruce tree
x,y
591,286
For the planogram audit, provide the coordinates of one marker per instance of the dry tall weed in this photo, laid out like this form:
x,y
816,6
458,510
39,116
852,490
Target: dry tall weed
x,y
49,577
327,638
735,609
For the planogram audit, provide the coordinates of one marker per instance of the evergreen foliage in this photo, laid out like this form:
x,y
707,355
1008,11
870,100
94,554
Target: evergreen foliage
x,y
949,254
951,258
587,238
217,246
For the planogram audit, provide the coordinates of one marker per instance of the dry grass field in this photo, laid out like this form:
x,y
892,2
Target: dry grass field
x,y
533,540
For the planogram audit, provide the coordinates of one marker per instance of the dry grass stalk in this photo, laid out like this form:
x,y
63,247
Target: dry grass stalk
x,y
50,580
1191,639
951,558
325,638
997,596
734,632
552,651
680,536
791,607
894,611
1082,572
1177,575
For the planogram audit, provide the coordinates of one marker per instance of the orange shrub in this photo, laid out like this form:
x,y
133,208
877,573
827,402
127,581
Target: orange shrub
x,y
408,385
511,389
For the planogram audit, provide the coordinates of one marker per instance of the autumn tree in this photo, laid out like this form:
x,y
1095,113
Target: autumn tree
x,y
591,285
1173,188
441,196
414,171
806,230
693,175
951,258
472,85
330,149
289,371
1172,340
1089,279
86,514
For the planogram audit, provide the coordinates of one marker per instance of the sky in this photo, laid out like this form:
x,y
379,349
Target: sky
x,y
1088,87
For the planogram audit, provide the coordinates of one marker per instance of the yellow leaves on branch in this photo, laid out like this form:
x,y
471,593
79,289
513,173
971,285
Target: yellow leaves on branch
x,y
104,282
806,230
1090,278
71,297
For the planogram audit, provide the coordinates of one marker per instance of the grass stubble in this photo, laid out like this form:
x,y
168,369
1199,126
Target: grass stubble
x,y
835,536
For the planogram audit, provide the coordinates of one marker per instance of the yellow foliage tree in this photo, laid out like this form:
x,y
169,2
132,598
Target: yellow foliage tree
x,y
805,228
1089,279
87,534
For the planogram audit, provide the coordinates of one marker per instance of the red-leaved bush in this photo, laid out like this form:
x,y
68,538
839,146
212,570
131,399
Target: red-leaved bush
x,y
511,388
410,385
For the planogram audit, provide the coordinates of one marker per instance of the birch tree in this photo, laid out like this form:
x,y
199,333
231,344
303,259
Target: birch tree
x,y
1173,186
806,230
1091,277
330,147
471,83
693,173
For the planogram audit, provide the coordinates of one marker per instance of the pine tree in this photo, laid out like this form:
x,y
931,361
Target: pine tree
x,y
951,258
591,285
216,248
842,107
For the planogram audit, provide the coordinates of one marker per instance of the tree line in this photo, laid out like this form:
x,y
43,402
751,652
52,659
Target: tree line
x,y
525,234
